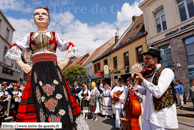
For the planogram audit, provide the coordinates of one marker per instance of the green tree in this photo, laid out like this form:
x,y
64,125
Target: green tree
x,y
75,73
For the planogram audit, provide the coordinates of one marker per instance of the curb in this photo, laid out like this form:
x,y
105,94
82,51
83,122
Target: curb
x,y
186,124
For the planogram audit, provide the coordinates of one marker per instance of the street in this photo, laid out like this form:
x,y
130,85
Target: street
x,y
185,119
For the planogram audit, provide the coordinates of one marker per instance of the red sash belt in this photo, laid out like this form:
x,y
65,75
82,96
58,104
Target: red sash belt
x,y
44,57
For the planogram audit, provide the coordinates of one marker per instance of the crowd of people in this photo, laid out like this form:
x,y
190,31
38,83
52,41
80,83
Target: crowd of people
x,y
159,87
10,97
96,99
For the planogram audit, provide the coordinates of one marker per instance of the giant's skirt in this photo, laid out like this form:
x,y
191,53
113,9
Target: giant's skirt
x,y
47,98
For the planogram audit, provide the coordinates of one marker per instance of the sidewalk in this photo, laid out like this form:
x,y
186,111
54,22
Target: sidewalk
x,y
186,115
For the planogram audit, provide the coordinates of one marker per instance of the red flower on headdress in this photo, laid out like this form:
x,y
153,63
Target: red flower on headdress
x,y
47,9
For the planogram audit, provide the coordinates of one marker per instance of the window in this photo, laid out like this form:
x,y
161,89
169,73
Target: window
x,y
128,33
90,70
95,68
115,77
16,66
160,21
115,63
126,59
0,25
167,56
105,62
98,67
7,71
185,9
139,54
189,45
7,35
12,63
4,53
137,26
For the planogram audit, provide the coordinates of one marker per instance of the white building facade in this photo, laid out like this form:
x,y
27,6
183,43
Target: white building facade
x,y
9,70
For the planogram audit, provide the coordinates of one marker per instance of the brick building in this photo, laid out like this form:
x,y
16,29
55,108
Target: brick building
x,y
170,27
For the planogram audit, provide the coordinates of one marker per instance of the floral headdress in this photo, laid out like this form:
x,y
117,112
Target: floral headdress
x,y
47,9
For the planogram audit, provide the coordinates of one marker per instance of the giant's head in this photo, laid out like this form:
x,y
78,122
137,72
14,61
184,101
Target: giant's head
x,y
41,17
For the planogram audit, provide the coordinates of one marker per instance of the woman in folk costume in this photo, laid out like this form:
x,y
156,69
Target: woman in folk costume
x,y
15,102
47,97
94,106
84,96
107,103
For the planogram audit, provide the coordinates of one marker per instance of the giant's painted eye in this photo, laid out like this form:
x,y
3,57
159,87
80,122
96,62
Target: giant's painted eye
x,y
44,14
36,14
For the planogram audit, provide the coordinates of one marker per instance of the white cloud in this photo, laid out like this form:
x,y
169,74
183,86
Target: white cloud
x,y
127,12
85,37
22,27
14,5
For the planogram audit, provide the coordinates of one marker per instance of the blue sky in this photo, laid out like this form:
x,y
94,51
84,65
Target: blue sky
x,y
86,23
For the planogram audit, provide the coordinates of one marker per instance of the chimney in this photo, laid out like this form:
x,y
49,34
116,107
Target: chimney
x,y
134,18
116,38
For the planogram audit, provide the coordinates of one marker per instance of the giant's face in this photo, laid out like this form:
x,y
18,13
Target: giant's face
x,y
41,18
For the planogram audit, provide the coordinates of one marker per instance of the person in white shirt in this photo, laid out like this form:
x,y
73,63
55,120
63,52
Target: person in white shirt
x,y
106,106
160,110
11,86
4,98
118,105
84,96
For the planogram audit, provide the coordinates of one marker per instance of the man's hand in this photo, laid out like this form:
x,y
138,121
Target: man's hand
x,y
137,76
114,95
122,101
85,98
131,89
5,100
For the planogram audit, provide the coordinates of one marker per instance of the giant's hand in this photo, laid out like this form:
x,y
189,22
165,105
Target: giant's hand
x,y
25,67
63,64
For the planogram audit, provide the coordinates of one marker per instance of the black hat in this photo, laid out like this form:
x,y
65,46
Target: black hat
x,y
153,52
120,80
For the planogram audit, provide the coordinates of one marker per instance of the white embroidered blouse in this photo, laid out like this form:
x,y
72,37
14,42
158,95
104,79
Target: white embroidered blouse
x,y
23,45
84,92
95,92
18,97
106,93
5,93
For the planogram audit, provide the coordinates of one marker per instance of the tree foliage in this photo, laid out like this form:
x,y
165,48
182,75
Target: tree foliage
x,y
75,73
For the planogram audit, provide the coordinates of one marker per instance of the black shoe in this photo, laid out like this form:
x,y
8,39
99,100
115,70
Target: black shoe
x,y
181,107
